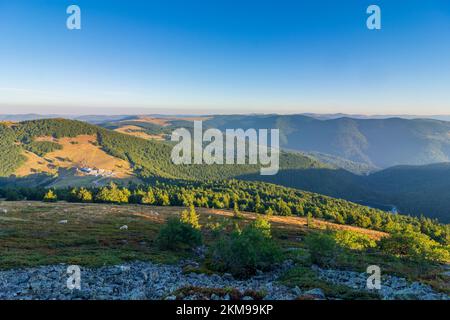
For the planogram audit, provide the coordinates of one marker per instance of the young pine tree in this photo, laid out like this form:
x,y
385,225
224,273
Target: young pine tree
x,y
309,220
190,217
50,196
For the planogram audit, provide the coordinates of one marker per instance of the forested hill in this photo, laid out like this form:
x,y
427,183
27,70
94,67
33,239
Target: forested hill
x,y
412,189
417,190
148,158
379,143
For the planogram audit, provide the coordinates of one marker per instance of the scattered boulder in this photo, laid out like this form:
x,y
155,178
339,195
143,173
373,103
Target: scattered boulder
x,y
315,293
297,291
146,280
124,227
228,276
124,268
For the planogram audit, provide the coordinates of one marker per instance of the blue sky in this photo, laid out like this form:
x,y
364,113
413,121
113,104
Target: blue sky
x,y
225,57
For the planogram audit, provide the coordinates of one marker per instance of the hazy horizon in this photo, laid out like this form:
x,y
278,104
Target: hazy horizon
x,y
221,57
182,112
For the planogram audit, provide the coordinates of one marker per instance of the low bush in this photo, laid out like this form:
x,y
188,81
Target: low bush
x,y
244,252
178,235
354,240
415,246
322,247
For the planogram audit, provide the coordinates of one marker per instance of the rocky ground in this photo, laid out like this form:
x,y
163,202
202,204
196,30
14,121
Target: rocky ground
x,y
144,280
392,288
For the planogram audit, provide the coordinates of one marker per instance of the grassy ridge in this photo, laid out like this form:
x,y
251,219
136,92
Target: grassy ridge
x,y
150,159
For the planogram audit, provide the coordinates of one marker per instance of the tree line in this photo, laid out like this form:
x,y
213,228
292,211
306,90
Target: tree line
x,y
239,195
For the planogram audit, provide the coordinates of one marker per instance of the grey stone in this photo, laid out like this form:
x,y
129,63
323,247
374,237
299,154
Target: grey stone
x,y
297,291
316,292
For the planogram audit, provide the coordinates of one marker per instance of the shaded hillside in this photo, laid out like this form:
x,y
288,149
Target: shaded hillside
x,y
336,183
359,145
416,189
352,166
413,189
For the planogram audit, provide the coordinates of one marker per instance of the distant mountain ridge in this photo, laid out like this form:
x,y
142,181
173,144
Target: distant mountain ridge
x,y
98,118
379,143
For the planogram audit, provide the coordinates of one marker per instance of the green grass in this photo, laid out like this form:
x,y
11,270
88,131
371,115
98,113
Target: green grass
x,y
31,236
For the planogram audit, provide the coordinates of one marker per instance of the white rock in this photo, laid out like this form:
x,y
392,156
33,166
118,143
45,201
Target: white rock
x,y
297,291
125,268
5,211
63,222
125,227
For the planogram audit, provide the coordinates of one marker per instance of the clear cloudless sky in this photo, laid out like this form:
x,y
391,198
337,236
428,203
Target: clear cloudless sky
x,y
225,56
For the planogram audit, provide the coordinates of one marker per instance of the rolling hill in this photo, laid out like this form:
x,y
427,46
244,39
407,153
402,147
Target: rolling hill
x,y
360,145
379,143
417,190
42,147
51,152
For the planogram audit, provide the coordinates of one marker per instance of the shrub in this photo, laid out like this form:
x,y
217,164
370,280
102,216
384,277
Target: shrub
x,y
175,235
353,240
236,213
322,248
309,220
262,223
415,246
244,252
216,227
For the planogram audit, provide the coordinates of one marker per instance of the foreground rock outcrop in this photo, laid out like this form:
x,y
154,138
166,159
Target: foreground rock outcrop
x,y
144,280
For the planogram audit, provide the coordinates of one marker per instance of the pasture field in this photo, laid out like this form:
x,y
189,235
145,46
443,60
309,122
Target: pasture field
x,y
30,232
81,151
31,235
